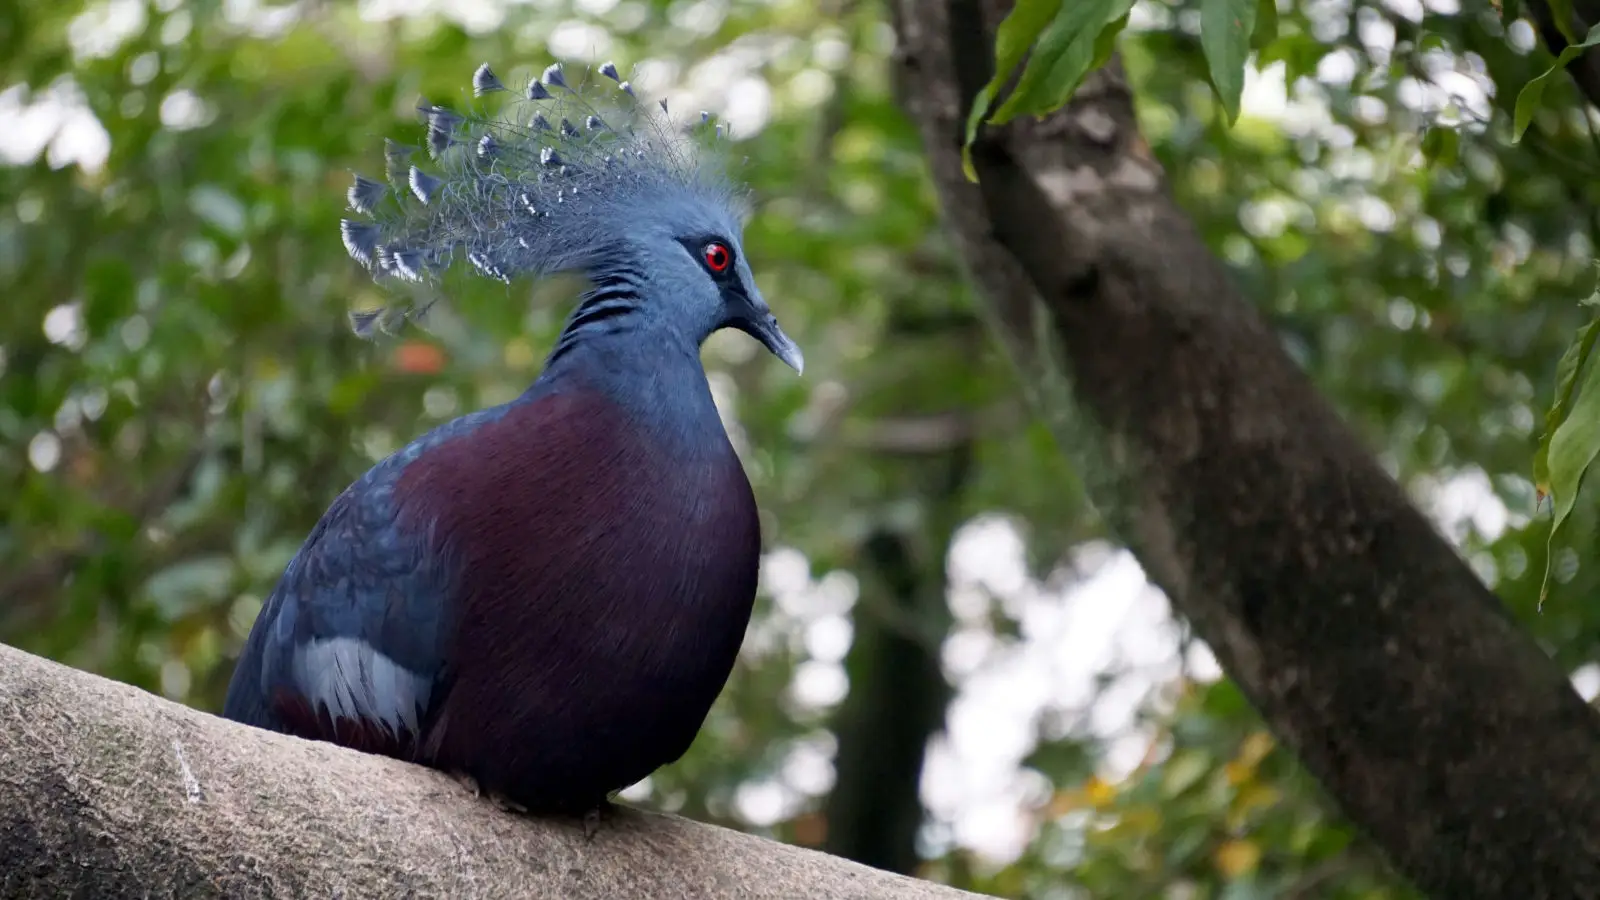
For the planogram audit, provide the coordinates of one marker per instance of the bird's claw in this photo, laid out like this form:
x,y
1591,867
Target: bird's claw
x,y
592,820
500,803
504,805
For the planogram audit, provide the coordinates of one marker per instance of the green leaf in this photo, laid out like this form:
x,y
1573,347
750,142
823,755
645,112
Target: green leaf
x,y
1266,24
1441,146
1572,362
1182,771
1105,45
1561,15
1066,52
1015,35
1432,40
1225,30
1533,92
1575,442
1300,54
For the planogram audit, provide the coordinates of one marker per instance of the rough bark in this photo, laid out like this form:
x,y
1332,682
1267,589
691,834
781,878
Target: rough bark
x,y
107,791
1370,648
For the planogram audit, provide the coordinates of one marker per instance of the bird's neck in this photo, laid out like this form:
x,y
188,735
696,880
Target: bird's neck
x,y
613,345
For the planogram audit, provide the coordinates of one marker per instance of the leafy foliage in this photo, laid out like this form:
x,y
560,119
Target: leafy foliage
x,y
1530,95
1226,30
1572,431
1065,41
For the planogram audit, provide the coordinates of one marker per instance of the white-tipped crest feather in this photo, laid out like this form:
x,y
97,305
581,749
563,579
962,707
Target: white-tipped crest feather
x,y
515,195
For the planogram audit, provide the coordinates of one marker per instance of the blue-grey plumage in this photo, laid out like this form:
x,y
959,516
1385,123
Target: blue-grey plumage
x,y
547,595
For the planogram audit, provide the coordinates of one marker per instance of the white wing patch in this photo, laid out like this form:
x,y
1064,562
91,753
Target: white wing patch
x,y
349,679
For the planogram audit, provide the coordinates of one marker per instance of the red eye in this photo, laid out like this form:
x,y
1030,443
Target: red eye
x,y
718,257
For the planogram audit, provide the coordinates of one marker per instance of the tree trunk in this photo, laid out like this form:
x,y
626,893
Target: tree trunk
x,y
1370,648
898,692
897,701
107,792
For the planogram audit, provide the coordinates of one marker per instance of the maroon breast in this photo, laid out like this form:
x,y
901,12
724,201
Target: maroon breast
x,y
604,587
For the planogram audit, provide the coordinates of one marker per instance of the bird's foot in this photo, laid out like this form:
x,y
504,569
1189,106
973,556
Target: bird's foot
x,y
510,806
500,803
594,817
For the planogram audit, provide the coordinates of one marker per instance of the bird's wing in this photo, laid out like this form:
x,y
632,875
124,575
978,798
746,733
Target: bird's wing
x,y
351,645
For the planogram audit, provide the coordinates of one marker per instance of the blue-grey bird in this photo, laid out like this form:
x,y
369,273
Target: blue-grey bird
x,y
545,596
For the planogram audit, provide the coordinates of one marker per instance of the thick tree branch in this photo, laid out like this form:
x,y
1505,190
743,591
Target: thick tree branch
x,y
107,791
1370,648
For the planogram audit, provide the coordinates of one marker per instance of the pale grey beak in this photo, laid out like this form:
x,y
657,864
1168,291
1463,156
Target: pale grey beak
x,y
781,345
763,326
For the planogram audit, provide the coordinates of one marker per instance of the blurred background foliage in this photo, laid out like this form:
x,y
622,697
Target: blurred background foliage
x,y
180,397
